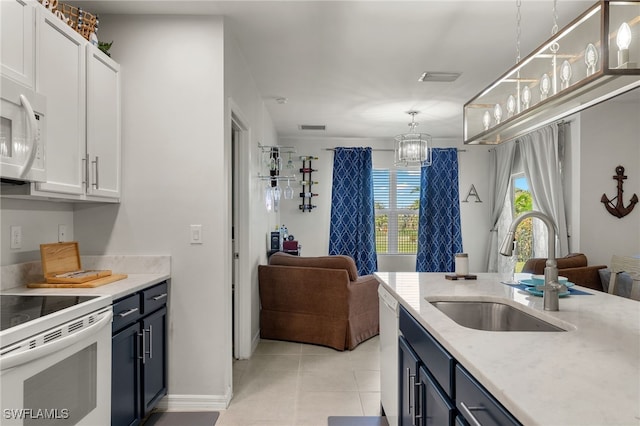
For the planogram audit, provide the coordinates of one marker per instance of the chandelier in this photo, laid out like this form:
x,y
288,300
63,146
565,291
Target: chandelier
x,y
593,59
412,149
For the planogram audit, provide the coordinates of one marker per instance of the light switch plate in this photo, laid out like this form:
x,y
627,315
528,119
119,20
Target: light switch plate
x,y
196,234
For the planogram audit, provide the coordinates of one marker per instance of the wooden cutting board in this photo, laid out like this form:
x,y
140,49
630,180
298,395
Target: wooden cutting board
x,y
89,284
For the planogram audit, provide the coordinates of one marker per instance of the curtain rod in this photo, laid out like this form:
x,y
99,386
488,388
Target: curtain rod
x,y
385,150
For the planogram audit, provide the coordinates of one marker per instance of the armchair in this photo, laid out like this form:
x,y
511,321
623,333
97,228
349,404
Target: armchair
x,y
573,266
318,300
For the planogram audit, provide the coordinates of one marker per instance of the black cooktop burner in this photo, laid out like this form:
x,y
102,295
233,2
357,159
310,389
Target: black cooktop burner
x,y
16,310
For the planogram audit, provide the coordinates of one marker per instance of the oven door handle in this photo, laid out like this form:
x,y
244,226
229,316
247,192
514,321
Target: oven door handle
x,y
19,358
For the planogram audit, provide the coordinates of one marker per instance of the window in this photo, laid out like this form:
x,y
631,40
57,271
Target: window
x,y
396,195
522,202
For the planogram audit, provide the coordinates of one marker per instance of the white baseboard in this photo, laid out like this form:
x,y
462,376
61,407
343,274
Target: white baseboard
x,y
254,342
194,402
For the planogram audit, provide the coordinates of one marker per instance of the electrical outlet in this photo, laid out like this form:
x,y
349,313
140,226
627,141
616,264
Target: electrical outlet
x,y
16,237
62,233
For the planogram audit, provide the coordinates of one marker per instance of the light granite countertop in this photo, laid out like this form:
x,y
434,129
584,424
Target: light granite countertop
x,y
142,272
588,375
116,290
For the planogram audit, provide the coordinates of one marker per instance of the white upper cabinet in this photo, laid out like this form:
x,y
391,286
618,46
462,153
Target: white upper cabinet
x,y
103,124
61,77
82,88
17,42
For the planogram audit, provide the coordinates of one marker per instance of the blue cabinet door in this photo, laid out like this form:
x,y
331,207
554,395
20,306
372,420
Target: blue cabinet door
x,y
436,407
125,377
408,376
154,366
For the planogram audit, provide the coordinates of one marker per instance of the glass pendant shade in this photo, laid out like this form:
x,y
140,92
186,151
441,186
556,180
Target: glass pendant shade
x,y
592,59
413,148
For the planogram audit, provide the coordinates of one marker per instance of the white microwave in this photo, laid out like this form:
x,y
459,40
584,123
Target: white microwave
x,y
22,133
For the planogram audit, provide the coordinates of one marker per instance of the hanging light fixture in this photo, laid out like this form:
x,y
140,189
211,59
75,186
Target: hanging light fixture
x,y
413,148
592,59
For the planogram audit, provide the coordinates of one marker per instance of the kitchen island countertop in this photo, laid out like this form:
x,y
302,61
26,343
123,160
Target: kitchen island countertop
x,y
587,375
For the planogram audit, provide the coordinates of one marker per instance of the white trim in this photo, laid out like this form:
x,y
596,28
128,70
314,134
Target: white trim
x,y
194,402
255,341
243,348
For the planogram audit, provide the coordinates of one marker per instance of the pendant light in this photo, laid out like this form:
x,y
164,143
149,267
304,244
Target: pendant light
x,y
413,148
591,60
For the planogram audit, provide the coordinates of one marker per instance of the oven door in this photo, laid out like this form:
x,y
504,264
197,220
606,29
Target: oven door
x,y
22,133
64,380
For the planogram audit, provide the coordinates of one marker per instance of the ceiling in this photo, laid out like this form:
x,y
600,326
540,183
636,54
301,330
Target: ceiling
x,y
354,65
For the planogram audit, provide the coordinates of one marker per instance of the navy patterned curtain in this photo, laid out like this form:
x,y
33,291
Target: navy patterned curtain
x,y
439,231
352,228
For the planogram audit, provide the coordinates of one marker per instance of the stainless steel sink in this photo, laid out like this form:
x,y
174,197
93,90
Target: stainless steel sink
x,y
492,316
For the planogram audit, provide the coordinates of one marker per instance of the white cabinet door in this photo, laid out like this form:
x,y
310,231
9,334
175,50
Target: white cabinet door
x,y
103,124
17,42
61,77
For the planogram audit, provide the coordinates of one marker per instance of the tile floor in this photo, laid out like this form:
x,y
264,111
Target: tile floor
x,y
294,384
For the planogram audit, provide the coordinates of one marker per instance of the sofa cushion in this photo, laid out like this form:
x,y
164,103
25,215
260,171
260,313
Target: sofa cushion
x,y
327,262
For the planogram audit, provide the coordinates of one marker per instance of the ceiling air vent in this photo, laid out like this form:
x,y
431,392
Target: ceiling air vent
x,y
439,76
312,127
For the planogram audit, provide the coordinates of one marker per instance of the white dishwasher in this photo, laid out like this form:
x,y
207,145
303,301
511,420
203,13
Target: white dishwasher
x,y
388,355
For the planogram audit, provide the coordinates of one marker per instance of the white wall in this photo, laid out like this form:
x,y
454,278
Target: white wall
x,y
175,173
609,138
312,229
39,221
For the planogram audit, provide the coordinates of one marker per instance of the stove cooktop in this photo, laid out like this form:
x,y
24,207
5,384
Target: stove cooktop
x,y
19,309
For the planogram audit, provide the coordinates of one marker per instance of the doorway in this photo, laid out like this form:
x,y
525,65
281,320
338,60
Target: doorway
x,y
240,273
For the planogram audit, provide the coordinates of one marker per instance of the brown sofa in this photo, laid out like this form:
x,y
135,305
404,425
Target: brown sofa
x,y
573,266
318,300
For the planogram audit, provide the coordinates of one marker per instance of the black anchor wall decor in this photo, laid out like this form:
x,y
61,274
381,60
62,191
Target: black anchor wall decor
x,y
618,209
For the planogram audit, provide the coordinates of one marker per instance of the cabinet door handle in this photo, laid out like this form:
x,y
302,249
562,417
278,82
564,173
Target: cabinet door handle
x,y
97,183
412,401
467,412
150,351
418,402
142,356
160,296
85,182
126,313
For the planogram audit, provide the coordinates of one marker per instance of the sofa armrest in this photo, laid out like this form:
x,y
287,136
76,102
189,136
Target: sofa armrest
x,y
306,290
363,294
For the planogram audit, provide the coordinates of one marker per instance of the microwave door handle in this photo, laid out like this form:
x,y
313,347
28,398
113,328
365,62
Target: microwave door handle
x,y
19,358
33,136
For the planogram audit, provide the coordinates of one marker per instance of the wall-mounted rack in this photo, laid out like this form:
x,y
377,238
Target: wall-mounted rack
x,y
307,183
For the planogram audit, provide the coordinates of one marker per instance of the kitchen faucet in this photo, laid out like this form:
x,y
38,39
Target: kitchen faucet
x,y
551,289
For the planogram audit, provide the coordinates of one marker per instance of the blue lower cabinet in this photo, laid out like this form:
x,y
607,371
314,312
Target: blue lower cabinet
x,y
154,366
408,375
437,391
125,385
139,355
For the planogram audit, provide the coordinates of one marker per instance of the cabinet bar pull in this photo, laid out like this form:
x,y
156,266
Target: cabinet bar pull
x,y
418,401
160,296
150,342
412,403
97,184
129,312
467,412
142,351
85,182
